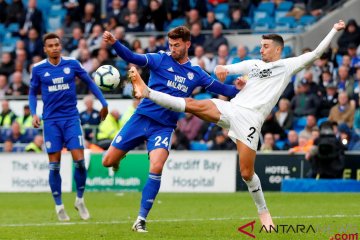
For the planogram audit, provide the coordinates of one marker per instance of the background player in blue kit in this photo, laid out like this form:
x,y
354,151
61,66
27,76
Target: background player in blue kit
x,y
55,77
172,73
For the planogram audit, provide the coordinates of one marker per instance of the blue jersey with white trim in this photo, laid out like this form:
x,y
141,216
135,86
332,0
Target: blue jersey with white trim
x,y
169,76
57,84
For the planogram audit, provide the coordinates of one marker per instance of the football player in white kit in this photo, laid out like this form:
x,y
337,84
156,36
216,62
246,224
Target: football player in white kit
x,y
246,112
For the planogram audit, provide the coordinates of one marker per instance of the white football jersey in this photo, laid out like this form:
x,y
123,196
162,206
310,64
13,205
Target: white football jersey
x,y
267,81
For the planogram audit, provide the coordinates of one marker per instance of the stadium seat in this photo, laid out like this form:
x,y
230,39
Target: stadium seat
x,y
195,145
285,6
286,23
264,24
53,23
2,32
279,14
121,65
287,52
255,52
321,120
280,144
13,27
222,8
175,23
299,124
8,44
265,9
306,20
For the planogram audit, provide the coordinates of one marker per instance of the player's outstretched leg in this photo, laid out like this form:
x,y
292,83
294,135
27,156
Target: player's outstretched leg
x,y
176,104
80,180
139,87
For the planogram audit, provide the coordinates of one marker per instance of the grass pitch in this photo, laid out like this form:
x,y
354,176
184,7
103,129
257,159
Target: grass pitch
x,y
181,216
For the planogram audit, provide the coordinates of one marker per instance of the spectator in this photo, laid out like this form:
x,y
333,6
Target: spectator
x,y
95,38
33,44
326,79
133,24
3,85
349,138
7,64
14,12
343,112
357,84
355,60
36,145
328,100
17,87
222,141
243,5
356,124
128,112
88,19
132,8
190,126
73,9
222,53
304,102
152,47
108,129
284,115
31,18
7,116
25,120
345,81
298,10
269,143
200,55
213,42
271,125
211,20
179,141
103,57
116,9
197,38
15,134
8,146
351,34
90,117
316,7
304,145
292,140
3,11
136,44
237,21
241,54
310,125
155,16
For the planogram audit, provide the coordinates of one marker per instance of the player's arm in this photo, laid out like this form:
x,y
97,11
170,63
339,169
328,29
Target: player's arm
x,y
222,89
124,52
84,76
297,63
34,87
221,71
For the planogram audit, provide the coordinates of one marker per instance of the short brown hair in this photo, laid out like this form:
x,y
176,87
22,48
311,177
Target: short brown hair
x,y
180,32
50,36
276,38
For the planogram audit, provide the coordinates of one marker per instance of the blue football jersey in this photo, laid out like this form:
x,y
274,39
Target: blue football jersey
x,y
57,84
169,76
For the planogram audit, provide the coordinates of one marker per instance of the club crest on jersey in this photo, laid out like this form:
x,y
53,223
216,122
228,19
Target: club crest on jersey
x,y
48,144
190,75
118,139
66,70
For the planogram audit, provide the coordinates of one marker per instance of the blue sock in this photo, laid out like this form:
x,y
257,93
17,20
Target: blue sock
x,y
149,193
55,181
80,177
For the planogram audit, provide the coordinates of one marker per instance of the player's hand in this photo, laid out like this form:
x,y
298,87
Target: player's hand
x,y
103,113
109,38
339,25
221,72
36,121
240,82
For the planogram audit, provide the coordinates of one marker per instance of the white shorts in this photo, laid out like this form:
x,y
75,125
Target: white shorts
x,y
243,124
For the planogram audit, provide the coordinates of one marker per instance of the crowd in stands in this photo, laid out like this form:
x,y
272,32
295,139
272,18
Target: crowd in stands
x,y
327,90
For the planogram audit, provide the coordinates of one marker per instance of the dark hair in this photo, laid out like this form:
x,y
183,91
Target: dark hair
x,y
50,36
276,38
180,32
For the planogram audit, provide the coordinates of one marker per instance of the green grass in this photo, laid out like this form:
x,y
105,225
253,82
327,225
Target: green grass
x,y
177,216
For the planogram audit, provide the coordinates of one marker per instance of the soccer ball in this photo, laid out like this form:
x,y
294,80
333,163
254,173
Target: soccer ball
x,y
107,77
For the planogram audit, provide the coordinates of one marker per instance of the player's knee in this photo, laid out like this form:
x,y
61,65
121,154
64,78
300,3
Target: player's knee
x,y
156,168
247,174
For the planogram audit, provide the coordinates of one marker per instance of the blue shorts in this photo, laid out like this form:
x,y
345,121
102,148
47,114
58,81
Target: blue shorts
x,y
60,133
141,128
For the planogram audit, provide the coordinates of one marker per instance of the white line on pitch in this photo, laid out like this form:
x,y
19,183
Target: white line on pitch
x,y
172,220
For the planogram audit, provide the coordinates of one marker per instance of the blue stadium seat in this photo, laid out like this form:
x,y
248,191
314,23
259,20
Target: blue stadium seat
x,y
280,144
222,8
8,44
299,124
285,6
286,22
225,20
175,23
287,52
279,14
195,145
2,31
268,7
13,27
53,23
264,24
121,65
321,120
306,20
255,52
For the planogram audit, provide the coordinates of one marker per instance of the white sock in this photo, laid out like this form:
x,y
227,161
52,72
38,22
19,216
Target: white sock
x,y
256,193
141,218
176,104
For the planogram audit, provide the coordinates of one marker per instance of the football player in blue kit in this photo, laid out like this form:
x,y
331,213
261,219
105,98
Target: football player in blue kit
x,y
170,72
55,78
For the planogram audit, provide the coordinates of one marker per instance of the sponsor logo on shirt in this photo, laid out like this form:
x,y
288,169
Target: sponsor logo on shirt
x,y
256,72
178,83
58,85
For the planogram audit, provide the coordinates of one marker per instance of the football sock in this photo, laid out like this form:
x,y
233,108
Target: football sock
x,y
176,104
149,193
80,177
256,193
55,181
